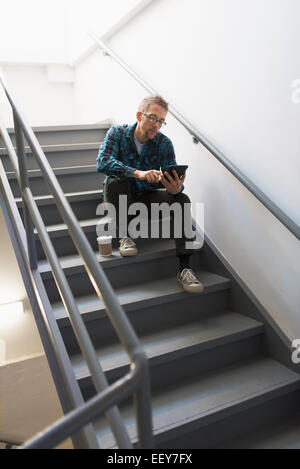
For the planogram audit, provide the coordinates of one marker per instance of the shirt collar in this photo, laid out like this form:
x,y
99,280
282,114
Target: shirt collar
x,y
130,133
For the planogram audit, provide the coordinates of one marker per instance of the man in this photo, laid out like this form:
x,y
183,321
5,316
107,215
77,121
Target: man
x,y
135,159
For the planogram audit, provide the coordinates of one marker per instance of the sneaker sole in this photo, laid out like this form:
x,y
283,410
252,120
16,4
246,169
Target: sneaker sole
x,y
197,289
129,253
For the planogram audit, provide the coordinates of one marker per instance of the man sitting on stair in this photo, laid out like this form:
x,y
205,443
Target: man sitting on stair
x,y
135,159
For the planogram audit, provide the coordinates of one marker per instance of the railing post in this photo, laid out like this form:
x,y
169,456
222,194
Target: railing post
x,y
24,184
143,408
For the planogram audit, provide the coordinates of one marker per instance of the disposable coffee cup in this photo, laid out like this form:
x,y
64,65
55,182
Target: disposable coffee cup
x,y
105,246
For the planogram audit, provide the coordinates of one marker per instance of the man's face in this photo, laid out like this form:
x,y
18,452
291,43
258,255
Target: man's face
x,y
149,129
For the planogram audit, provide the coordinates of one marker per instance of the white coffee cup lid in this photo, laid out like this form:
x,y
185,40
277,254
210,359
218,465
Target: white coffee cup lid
x,y
104,239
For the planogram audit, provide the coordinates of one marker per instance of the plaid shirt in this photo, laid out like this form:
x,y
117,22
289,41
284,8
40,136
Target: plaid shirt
x,y
118,156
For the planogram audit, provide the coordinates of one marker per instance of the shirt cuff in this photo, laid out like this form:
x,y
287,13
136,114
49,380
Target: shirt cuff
x,y
129,171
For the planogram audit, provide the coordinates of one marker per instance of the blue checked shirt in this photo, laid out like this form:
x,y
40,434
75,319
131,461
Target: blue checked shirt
x,y
118,156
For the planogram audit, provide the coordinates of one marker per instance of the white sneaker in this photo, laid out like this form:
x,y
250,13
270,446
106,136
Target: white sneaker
x,y
189,281
127,247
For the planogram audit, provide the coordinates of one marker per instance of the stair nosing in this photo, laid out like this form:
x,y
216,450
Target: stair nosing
x,y
63,128
200,344
241,402
60,171
59,230
60,147
230,408
115,261
269,436
48,199
99,312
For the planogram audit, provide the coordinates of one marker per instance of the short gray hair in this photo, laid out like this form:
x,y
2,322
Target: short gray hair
x,y
153,99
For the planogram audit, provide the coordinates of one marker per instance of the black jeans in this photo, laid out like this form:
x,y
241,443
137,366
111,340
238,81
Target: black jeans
x,y
114,187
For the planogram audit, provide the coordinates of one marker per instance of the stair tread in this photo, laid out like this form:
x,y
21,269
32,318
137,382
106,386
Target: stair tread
x,y
156,248
60,227
206,333
49,199
153,292
57,128
63,170
49,148
283,435
206,397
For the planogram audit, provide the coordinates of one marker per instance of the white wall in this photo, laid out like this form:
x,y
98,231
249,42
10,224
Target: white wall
x,y
19,332
54,31
42,40
45,94
29,402
99,15
228,67
33,30
103,90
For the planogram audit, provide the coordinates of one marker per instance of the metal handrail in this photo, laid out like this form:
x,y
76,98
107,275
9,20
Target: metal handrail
x,y
198,137
93,408
102,287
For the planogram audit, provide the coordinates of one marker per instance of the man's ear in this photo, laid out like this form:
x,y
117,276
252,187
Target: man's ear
x,y
138,116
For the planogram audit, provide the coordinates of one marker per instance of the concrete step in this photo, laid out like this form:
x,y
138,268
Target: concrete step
x,y
174,353
59,156
81,178
200,412
63,134
280,435
63,244
121,272
147,249
61,239
84,205
148,306
149,293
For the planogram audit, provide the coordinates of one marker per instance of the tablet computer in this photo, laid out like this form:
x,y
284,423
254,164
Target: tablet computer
x,y
180,169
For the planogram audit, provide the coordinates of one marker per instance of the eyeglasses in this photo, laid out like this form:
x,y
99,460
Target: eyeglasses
x,y
154,119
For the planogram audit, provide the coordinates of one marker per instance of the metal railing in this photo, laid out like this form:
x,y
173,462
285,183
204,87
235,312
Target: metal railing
x,y
137,381
198,137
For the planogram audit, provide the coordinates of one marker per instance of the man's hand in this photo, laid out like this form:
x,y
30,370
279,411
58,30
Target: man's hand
x,y
172,184
150,176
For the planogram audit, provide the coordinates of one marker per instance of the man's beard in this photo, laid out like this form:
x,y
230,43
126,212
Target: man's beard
x,y
150,134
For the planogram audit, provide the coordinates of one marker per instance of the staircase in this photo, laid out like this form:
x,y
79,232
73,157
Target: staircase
x,y
215,379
